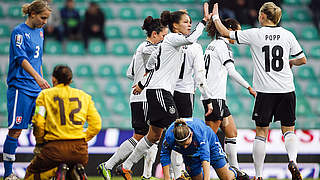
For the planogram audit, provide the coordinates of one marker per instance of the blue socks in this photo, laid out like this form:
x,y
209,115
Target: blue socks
x,y
9,151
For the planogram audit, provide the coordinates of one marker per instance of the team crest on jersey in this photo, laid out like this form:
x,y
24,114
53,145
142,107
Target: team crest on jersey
x,y
18,119
18,39
172,110
41,34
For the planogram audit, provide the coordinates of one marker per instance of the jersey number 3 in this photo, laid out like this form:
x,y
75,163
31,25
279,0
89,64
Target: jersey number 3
x,y
276,61
73,111
36,54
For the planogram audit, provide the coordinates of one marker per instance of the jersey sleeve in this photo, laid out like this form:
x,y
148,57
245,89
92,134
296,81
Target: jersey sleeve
x,y
165,154
295,48
152,60
18,46
94,121
200,72
39,120
130,71
176,39
236,76
224,53
243,37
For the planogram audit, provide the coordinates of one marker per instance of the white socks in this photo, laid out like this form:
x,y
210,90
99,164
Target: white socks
x,y
176,164
230,147
123,152
291,144
149,159
142,147
258,154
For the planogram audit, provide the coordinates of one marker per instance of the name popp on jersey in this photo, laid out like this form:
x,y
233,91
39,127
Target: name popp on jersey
x,y
272,37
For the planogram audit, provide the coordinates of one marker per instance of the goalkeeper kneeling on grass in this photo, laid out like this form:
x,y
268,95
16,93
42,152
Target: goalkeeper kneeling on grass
x,y
200,148
61,142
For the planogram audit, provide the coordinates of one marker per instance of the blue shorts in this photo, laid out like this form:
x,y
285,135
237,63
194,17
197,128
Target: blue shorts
x,y
20,109
194,164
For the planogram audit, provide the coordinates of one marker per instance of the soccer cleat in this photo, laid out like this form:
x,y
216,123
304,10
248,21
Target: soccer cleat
x,y
62,172
241,175
150,178
184,176
78,172
105,173
12,177
125,173
259,178
294,170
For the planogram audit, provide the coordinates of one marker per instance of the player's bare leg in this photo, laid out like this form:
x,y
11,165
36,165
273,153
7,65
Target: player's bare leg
x,y
214,125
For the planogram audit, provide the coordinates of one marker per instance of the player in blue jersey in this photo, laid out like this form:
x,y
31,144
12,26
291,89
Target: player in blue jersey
x,y
25,78
200,148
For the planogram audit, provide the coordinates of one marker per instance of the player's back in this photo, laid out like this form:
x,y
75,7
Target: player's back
x,y
186,80
67,110
217,54
271,48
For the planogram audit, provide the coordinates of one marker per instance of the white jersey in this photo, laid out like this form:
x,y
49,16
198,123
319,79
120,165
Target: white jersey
x,y
169,58
216,56
192,54
270,48
137,67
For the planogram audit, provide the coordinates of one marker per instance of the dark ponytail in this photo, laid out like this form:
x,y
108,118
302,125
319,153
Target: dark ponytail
x,y
229,23
168,18
151,24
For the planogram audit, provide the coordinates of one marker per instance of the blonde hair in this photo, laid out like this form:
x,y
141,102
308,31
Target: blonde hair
x,y
181,131
272,11
37,6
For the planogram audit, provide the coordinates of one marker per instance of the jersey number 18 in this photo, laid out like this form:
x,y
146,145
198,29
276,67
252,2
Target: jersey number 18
x,y
276,61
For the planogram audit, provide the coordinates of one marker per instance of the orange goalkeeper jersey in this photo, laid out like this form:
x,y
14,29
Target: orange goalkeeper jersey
x,y
61,112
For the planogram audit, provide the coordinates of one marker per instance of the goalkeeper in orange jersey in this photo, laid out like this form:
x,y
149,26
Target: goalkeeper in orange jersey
x,y
61,142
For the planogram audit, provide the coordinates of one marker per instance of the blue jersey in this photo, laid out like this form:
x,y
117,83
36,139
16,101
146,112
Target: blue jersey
x,y
205,143
25,43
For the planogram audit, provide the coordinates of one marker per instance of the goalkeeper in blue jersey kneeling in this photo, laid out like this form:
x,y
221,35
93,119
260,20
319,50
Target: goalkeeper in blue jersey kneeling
x,y
200,148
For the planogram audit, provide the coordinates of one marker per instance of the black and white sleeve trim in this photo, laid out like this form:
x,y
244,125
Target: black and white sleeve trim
x,y
229,60
297,54
236,34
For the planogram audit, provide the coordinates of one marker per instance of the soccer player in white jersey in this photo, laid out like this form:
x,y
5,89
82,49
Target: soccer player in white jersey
x,y
271,46
161,81
191,75
155,33
219,63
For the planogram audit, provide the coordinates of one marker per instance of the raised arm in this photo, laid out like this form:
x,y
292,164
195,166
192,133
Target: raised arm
x,y
180,40
220,27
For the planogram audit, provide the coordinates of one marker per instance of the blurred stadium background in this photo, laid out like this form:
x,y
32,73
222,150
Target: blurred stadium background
x,y
101,71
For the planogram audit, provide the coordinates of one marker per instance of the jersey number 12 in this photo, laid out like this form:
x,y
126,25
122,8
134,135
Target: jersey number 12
x,y
276,61
71,115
